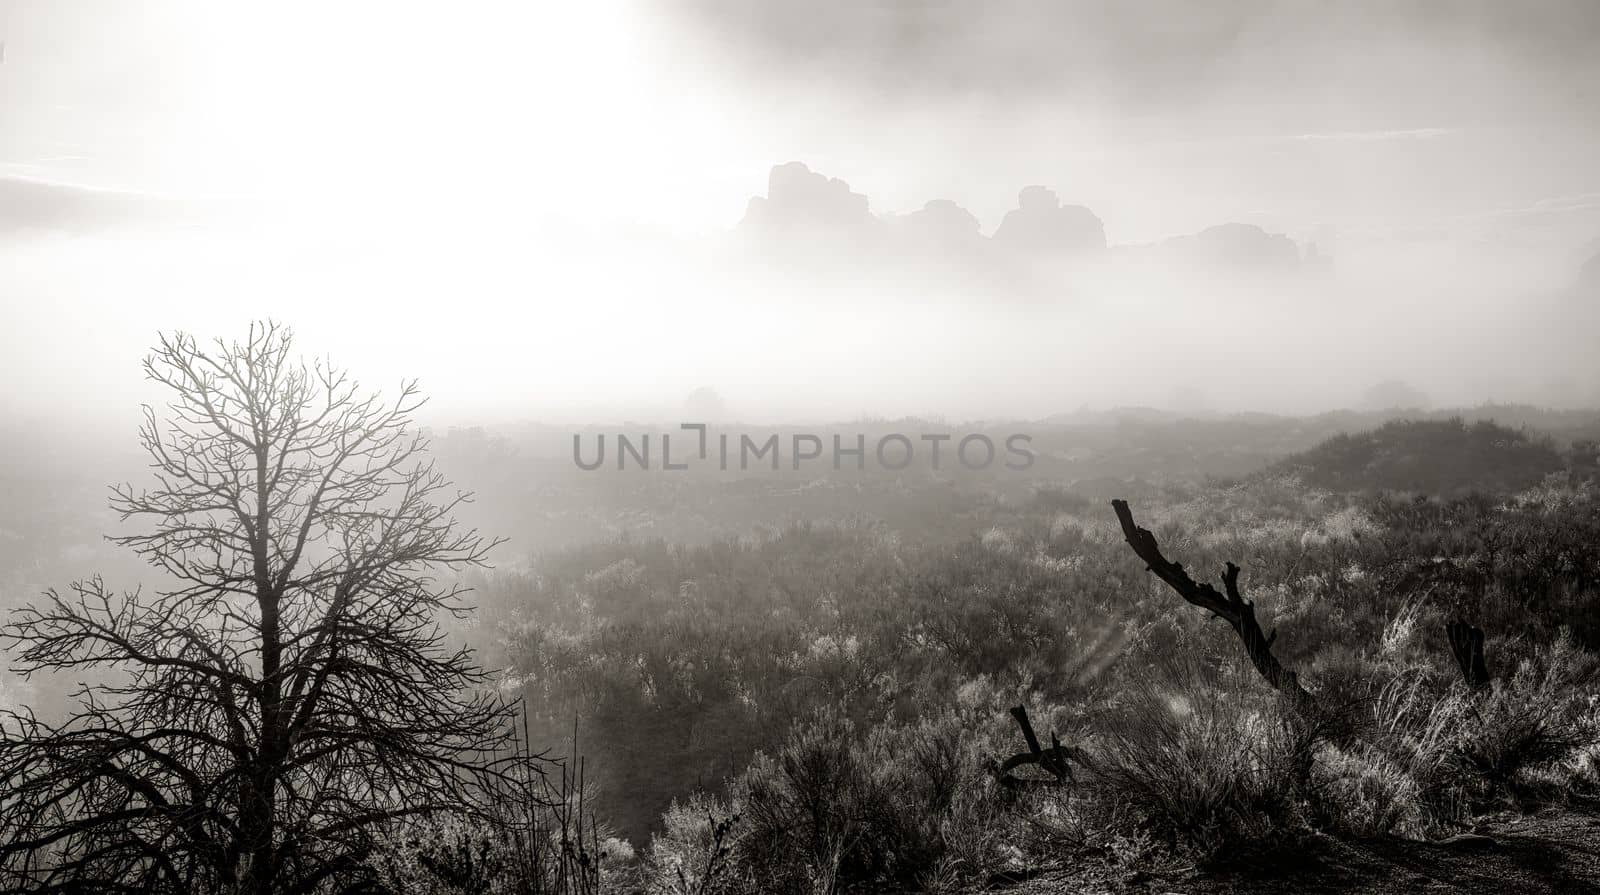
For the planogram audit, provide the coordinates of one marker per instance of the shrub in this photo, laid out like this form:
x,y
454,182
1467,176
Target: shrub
x,y
693,855
1215,775
1365,793
1416,721
903,807
1536,720
1466,751
829,810
479,856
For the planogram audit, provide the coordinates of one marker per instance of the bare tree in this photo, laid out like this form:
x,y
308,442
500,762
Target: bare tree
x,y
287,691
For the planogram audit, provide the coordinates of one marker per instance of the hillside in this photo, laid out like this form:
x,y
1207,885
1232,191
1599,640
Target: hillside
x,y
1437,457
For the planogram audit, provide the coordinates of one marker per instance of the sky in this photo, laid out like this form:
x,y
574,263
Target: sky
x,y
513,201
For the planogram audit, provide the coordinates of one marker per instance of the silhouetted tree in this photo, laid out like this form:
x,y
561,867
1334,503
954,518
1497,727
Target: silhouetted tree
x,y
288,691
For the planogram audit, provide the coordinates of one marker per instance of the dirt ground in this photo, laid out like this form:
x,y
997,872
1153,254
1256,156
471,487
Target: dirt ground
x,y
1547,852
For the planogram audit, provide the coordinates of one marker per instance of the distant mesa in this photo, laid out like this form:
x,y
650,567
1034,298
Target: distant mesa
x,y
803,207
800,201
941,224
1041,225
1589,273
806,216
1315,261
1237,247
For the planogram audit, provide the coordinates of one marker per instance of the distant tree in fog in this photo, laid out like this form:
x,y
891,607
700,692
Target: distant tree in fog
x,y
288,691
705,405
1394,394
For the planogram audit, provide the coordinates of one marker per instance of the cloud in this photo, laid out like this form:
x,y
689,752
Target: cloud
x,y
1569,222
1419,133
1156,48
29,204
1580,202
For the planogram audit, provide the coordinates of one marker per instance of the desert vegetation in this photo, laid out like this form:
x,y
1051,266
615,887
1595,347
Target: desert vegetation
x,y
916,683
829,707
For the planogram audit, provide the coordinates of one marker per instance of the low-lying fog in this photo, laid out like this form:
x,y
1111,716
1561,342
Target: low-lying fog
x,y
550,216
626,328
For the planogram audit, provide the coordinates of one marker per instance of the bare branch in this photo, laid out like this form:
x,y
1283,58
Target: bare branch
x,y
1229,606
